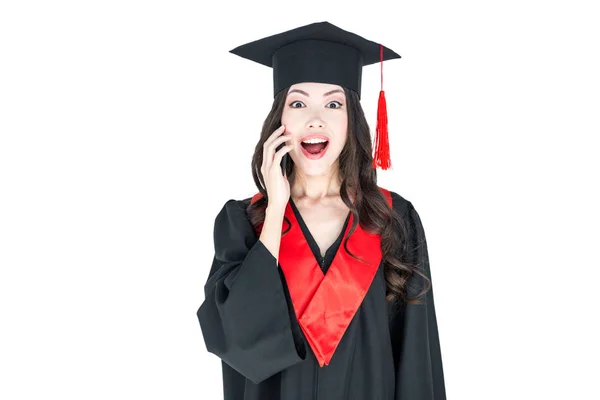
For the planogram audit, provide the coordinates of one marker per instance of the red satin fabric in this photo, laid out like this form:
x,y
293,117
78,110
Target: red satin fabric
x,y
326,303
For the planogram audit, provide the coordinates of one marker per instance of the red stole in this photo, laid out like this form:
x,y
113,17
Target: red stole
x,y
326,303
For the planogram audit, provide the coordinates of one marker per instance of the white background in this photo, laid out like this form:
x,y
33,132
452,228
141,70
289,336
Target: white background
x,y
125,126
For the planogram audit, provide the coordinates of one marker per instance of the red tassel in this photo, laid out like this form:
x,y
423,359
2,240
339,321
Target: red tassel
x,y
382,146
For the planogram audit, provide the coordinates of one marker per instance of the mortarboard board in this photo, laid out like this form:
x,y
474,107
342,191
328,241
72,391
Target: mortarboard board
x,y
322,52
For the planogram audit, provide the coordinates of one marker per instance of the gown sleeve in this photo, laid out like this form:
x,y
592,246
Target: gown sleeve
x,y
417,355
245,318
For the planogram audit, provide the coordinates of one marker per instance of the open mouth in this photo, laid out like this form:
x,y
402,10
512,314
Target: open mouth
x,y
314,148
314,151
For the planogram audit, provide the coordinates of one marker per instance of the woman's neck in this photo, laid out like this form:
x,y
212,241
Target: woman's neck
x,y
314,188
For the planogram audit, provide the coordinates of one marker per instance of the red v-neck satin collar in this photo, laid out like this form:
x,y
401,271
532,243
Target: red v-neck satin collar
x,y
326,303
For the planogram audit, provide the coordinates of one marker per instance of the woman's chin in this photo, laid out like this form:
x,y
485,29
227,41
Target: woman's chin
x,y
314,167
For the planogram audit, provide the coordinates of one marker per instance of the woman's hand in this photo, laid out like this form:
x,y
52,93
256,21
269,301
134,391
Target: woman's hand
x,y
277,185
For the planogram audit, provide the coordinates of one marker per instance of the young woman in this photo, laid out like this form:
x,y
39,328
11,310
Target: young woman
x,y
320,286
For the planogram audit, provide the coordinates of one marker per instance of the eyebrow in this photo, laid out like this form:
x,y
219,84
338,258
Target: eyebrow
x,y
324,95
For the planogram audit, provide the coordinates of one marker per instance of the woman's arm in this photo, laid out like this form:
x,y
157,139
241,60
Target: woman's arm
x,y
245,317
418,359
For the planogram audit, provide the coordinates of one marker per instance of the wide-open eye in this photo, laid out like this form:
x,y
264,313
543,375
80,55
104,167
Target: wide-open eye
x,y
339,104
294,102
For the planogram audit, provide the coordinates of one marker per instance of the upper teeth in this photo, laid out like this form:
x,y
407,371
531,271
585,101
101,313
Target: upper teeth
x,y
315,140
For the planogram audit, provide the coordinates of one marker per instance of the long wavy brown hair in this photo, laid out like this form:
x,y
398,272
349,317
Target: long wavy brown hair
x,y
372,210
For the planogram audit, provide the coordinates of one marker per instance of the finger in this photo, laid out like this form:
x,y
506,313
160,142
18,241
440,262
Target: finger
x,y
279,140
270,149
279,155
270,153
274,135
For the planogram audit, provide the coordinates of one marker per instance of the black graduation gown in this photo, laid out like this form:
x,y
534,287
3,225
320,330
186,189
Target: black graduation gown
x,y
247,319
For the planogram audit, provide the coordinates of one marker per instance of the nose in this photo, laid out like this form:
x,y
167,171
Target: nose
x,y
316,123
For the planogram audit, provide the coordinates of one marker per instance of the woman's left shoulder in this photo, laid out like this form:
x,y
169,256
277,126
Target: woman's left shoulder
x,y
399,202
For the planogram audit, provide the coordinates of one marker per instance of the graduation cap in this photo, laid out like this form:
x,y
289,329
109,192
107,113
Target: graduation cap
x,y
322,52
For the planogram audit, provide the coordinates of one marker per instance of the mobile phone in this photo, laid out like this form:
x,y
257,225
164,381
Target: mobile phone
x,y
284,162
284,159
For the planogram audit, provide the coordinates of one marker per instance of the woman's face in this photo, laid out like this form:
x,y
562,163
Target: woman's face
x,y
317,109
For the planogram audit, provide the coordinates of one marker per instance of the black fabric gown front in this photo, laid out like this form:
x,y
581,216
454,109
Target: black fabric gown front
x,y
247,320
